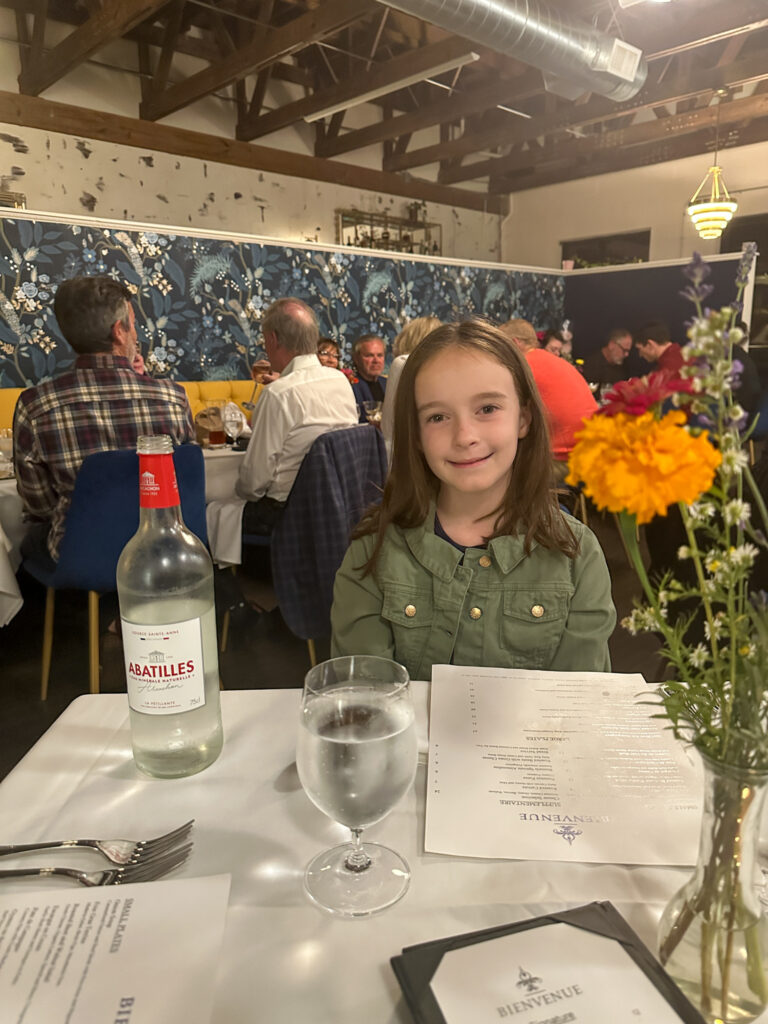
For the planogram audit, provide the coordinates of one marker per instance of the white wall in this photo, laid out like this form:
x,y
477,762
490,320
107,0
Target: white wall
x,y
652,197
63,174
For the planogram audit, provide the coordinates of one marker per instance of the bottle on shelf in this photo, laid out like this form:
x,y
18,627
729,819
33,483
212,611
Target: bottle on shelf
x,y
165,589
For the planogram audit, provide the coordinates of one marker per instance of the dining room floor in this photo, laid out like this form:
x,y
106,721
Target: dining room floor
x,y
261,651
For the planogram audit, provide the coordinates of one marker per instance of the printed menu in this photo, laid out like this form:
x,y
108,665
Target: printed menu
x,y
557,766
132,954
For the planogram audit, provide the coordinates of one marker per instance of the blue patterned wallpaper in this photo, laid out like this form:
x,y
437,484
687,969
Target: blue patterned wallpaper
x,y
199,300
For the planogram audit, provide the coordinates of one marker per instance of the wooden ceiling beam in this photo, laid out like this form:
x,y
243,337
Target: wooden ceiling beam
x,y
382,76
267,47
460,104
609,163
114,19
724,21
63,118
646,134
670,90
172,29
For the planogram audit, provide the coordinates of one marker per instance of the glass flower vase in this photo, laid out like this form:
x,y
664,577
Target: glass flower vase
x,y
713,936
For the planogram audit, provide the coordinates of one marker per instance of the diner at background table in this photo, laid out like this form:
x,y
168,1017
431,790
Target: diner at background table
x,y
282,958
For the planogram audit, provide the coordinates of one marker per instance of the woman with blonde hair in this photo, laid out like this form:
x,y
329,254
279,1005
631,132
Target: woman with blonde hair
x,y
406,341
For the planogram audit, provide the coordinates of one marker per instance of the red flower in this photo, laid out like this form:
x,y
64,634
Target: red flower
x,y
640,394
349,374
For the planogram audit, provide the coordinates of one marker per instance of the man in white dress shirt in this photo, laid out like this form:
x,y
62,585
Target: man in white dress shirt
x,y
306,400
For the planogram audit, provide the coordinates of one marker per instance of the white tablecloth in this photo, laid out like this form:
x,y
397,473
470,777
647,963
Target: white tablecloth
x,y
223,509
12,530
222,466
284,960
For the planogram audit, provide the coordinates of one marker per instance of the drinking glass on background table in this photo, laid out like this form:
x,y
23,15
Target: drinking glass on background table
x,y
356,759
6,442
372,412
232,419
217,437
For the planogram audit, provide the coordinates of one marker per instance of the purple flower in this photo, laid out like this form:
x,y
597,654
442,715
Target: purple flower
x,y
697,293
745,263
697,272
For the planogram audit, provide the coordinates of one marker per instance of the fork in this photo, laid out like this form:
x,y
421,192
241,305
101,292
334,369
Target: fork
x,y
118,851
140,872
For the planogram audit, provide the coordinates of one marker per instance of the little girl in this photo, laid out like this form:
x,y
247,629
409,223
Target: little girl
x,y
469,560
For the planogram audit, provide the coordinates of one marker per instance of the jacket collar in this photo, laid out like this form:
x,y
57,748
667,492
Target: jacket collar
x,y
441,559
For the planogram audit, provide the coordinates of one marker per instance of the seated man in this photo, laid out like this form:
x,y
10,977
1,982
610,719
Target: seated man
x,y
606,365
655,346
306,400
368,357
564,393
104,402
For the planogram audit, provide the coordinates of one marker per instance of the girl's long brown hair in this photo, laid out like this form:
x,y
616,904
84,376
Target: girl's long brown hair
x,y
529,506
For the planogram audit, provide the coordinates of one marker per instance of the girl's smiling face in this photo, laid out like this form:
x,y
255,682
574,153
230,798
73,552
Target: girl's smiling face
x,y
470,422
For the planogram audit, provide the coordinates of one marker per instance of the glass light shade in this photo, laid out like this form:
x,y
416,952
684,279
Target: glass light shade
x,y
710,213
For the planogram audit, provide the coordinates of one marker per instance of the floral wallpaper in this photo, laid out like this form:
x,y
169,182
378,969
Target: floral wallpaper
x,y
199,300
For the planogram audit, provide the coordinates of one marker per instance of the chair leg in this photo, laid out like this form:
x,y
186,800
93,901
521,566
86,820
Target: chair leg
x,y
312,654
224,632
50,598
583,508
93,639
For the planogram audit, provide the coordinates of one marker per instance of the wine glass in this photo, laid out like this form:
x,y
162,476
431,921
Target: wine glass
x,y
232,419
372,412
356,759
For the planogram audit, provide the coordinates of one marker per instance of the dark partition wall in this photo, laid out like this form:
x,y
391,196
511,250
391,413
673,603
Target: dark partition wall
x,y
599,301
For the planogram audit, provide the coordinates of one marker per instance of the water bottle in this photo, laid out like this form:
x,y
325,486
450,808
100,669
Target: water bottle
x,y
165,589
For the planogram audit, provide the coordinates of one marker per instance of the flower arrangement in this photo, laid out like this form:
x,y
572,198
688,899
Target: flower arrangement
x,y
666,440
636,457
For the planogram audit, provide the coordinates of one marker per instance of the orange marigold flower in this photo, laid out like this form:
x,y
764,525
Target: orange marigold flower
x,y
642,465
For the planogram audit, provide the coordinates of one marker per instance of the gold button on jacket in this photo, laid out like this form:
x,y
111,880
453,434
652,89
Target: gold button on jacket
x,y
485,561
410,610
475,613
537,611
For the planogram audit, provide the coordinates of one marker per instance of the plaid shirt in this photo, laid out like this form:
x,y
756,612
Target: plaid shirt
x,y
99,405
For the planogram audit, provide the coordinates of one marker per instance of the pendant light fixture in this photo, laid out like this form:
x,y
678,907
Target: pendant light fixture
x,y
711,207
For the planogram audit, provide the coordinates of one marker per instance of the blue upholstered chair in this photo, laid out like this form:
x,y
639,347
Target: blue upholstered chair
x,y
102,518
341,475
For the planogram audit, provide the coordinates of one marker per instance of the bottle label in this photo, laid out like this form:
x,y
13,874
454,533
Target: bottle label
x,y
164,666
157,482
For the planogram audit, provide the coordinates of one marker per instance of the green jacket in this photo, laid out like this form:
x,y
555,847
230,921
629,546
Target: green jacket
x,y
500,608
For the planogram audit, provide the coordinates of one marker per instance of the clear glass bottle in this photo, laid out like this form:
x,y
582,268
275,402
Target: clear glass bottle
x,y
165,588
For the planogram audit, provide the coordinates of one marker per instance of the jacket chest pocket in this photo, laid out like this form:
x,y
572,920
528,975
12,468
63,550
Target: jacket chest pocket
x,y
410,614
532,625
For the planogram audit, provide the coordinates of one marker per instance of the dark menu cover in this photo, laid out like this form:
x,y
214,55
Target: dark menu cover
x,y
416,965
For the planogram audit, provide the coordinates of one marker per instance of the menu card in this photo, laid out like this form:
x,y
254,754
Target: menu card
x,y
574,966
133,954
556,766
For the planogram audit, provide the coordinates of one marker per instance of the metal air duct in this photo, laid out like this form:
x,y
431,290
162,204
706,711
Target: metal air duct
x,y
574,57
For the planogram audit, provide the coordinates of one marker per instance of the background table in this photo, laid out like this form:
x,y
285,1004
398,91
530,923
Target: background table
x,y
222,466
12,530
283,959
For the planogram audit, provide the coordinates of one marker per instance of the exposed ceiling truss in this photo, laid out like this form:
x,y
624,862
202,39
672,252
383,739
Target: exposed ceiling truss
x,y
468,135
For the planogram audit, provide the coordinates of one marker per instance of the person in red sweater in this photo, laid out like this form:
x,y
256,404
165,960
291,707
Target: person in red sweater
x,y
655,346
564,392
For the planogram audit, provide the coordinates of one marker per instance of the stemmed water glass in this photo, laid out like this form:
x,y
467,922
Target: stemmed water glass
x,y
232,419
356,759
